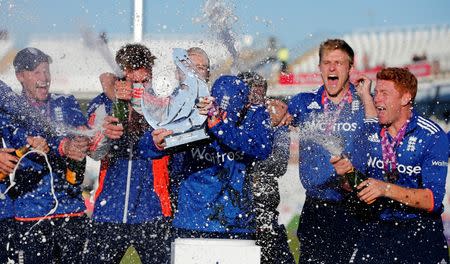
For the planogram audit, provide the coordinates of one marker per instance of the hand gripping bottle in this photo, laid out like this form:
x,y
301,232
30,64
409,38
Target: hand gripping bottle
x,y
18,153
354,178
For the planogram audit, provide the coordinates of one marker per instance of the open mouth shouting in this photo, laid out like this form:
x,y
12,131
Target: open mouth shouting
x,y
332,80
41,90
381,111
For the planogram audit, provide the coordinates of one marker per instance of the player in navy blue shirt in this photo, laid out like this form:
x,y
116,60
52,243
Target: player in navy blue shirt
x,y
405,157
127,209
8,162
47,203
335,111
214,195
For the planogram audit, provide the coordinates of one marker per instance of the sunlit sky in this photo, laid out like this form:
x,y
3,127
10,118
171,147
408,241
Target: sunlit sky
x,y
291,22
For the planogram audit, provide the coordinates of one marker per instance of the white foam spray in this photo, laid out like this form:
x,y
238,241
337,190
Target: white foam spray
x,y
313,130
219,18
93,41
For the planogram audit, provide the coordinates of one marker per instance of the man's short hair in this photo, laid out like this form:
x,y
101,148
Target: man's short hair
x,y
336,44
198,51
403,79
29,58
135,56
252,78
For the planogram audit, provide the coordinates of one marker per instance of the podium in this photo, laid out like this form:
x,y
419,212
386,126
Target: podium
x,y
214,251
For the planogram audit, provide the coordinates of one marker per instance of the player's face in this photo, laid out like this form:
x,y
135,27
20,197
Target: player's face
x,y
335,70
201,65
389,102
36,83
141,75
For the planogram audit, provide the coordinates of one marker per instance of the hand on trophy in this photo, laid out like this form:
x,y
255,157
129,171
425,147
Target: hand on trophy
x,y
207,106
159,136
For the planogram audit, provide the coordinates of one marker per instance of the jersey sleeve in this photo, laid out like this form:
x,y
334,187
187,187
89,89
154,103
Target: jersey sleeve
x,y
254,137
434,168
295,108
76,117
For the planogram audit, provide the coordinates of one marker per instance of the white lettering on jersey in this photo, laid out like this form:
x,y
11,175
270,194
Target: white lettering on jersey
x,y
440,163
410,170
215,157
355,106
314,126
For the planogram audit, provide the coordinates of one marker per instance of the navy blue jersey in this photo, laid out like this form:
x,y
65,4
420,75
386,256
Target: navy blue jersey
x,y
6,205
35,199
214,192
316,172
8,129
125,193
448,135
422,162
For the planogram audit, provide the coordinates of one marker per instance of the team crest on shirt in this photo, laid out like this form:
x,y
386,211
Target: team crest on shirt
x,y
225,102
374,138
355,106
313,105
59,117
411,144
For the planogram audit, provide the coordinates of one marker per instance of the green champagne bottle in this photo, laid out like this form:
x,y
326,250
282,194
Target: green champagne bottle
x,y
354,178
120,110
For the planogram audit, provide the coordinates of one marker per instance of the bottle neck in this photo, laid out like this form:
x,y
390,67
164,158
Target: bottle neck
x,y
23,150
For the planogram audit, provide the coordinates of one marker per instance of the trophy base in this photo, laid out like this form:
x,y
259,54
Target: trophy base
x,y
184,138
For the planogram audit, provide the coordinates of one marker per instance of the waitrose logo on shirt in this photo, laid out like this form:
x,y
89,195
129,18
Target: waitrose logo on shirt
x,y
374,162
340,126
216,157
440,163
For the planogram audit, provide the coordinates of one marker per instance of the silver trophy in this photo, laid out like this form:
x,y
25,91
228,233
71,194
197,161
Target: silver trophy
x,y
178,111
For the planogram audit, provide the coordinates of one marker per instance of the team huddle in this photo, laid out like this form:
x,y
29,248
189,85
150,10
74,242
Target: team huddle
x,y
224,186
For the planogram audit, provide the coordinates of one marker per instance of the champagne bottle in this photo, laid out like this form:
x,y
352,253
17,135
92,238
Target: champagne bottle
x,y
75,171
120,110
18,153
354,178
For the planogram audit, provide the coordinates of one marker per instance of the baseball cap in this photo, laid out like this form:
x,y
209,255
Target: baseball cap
x,y
29,58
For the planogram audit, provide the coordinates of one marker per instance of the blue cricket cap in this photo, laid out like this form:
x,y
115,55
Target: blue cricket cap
x,y
29,58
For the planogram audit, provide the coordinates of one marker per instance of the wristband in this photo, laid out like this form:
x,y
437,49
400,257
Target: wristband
x,y
61,147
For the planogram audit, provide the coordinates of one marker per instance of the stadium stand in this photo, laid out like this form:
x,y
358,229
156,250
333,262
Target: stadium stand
x,y
76,66
392,47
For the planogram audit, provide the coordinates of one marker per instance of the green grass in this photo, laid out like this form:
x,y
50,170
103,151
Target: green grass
x,y
131,257
294,244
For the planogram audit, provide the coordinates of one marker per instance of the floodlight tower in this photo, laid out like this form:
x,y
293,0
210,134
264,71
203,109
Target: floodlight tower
x,y
138,18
